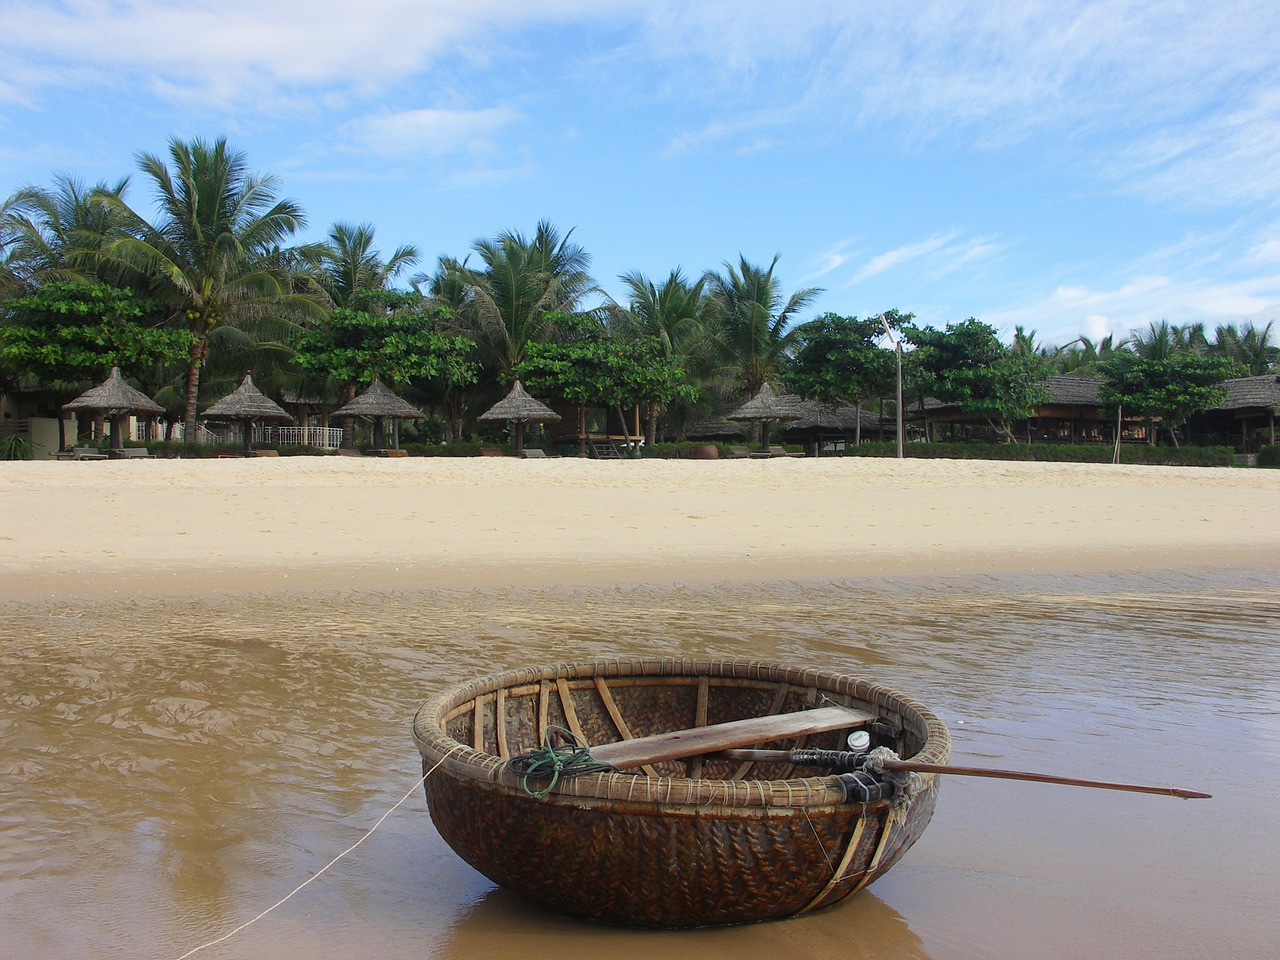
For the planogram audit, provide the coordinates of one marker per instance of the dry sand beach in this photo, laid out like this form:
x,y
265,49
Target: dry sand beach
x,y
176,528
208,671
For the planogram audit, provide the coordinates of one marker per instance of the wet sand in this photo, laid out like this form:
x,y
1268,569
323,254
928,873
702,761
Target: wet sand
x,y
179,751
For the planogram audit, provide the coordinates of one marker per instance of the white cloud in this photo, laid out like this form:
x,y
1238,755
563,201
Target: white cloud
x,y
898,256
830,260
429,131
1066,312
239,52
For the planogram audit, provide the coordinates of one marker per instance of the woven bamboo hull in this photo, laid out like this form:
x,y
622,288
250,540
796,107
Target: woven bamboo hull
x,y
688,843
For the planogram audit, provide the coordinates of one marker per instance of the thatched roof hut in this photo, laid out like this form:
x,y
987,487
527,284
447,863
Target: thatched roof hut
x,y
379,404
116,400
766,407
520,408
246,404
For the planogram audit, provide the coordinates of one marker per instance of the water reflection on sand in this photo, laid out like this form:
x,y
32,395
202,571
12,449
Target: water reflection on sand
x,y
169,770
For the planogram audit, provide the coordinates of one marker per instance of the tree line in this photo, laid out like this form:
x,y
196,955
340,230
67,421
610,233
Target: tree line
x,y
212,285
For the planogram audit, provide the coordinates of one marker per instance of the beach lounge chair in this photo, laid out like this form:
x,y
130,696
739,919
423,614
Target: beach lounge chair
x,y
132,453
736,452
534,453
81,453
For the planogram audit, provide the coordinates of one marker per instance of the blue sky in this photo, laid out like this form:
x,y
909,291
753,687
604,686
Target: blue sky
x,y
1076,168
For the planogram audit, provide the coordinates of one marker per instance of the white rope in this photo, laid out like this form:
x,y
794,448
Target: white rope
x,y
321,871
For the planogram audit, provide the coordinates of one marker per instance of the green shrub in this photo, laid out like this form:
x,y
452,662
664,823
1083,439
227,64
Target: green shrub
x,y
14,447
1269,456
1139,453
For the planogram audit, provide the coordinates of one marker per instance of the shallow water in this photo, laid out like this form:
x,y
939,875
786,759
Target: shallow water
x,y
168,771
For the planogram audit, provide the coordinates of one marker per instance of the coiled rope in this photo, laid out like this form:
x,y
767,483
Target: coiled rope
x,y
907,785
321,871
555,762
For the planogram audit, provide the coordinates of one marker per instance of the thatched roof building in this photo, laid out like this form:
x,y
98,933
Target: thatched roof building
x,y
246,402
520,407
113,398
379,404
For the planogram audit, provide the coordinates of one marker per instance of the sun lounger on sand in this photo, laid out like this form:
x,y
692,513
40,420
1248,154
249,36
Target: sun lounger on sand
x,y
81,453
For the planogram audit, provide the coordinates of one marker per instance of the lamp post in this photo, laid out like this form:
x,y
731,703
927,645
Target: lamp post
x,y
897,344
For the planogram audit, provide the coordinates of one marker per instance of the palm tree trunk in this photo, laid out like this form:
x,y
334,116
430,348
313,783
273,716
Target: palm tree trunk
x,y
195,359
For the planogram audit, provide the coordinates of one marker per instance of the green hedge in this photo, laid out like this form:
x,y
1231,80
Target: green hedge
x,y
1139,453
1269,456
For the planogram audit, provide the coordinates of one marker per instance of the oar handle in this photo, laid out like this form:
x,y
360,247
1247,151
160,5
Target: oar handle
x,y
913,767
852,761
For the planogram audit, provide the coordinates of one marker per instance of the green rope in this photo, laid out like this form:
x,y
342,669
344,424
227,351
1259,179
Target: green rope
x,y
555,762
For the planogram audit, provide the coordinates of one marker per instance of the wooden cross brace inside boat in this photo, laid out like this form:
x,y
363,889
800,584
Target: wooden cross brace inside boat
x,y
698,741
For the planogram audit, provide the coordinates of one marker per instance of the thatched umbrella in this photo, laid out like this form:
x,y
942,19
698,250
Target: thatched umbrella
x,y
246,404
379,404
520,408
766,407
115,400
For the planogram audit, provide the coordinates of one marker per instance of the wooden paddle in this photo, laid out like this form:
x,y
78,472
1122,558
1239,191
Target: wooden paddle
x,y
679,744
910,766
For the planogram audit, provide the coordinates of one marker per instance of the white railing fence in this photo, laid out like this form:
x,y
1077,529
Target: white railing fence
x,y
326,438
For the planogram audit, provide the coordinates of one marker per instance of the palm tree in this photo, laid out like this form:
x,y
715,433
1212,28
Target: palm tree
x,y
52,232
1252,348
212,255
349,265
754,322
511,300
10,262
675,315
1158,342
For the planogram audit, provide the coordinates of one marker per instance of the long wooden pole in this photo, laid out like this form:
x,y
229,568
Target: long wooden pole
x,y
910,766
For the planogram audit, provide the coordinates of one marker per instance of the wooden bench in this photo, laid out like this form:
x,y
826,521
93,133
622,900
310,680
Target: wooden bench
x,y
681,744
386,453
266,453
490,452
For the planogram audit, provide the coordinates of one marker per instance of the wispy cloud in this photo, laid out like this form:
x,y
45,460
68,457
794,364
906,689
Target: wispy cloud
x,y
830,260
429,131
909,253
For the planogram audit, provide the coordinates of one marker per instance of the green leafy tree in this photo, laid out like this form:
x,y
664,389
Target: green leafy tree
x,y
212,255
1168,389
65,334
403,348
967,365
839,361
754,321
355,346
600,371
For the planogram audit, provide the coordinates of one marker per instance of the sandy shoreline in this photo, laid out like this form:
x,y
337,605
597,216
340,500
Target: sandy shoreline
x,y
152,529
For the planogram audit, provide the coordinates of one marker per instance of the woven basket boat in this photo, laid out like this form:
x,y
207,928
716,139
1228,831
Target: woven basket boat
x,y
677,843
